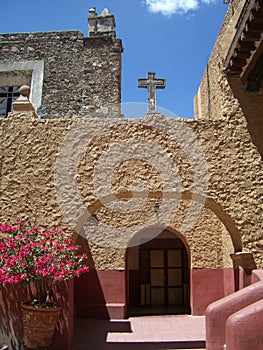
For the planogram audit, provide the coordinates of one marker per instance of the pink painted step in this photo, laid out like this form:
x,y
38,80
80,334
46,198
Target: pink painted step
x,y
244,329
218,312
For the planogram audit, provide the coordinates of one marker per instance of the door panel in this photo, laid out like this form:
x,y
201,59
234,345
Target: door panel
x,y
164,277
175,296
174,277
157,296
174,257
157,277
157,258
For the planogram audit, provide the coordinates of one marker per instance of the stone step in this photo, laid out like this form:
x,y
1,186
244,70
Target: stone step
x,y
178,345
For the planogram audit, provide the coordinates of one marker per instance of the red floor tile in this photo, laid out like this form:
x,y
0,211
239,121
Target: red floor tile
x,y
143,332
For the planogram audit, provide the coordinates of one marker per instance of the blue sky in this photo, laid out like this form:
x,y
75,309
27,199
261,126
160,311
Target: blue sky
x,y
173,38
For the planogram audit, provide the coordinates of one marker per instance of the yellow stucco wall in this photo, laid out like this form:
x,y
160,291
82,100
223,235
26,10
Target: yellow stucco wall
x,y
35,171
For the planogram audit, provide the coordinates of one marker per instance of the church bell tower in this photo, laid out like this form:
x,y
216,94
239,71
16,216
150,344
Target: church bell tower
x,y
102,66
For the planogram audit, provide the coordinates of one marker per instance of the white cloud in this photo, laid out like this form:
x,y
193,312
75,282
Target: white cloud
x,y
208,1
170,7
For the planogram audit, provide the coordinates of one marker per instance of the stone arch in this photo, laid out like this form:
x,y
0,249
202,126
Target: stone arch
x,y
209,277
209,203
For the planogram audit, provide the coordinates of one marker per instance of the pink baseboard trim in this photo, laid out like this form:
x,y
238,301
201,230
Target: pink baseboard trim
x,y
209,285
101,294
99,288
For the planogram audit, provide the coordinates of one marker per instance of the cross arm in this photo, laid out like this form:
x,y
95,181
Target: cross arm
x,y
159,83
143,83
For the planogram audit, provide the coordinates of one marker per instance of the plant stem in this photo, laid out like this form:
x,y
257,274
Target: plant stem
x,y
43,296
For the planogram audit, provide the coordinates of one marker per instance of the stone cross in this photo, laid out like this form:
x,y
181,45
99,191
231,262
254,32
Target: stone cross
x,y
151,83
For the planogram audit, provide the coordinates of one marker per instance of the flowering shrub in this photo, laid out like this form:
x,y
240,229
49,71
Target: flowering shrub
x,y
28,254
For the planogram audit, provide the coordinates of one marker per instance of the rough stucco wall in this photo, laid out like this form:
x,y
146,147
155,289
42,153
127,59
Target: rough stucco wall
x,y
30,147
214,98
252,106
27,167
209,244
208,241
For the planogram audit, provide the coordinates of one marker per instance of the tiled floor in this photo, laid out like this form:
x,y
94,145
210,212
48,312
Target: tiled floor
x,y
141,333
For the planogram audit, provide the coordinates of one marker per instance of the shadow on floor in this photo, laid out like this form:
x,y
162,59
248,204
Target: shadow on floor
x,y
92,334
158,310
149,346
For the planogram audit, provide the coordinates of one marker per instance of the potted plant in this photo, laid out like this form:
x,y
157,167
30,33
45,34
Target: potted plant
x,y
43,258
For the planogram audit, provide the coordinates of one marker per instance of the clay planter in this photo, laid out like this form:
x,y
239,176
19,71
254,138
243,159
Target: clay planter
x,y
39,325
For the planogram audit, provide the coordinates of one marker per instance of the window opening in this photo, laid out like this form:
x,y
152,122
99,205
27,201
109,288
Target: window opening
x,y
8,94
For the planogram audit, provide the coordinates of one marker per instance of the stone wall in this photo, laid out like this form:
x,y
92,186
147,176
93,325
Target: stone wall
x,y
102,74
34,177
78,72
62,53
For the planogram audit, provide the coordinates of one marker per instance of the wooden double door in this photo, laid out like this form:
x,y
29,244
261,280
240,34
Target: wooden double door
x,y
164,277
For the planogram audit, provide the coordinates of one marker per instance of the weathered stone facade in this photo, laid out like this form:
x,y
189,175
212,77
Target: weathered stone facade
x,y
102,74
62,53
81,75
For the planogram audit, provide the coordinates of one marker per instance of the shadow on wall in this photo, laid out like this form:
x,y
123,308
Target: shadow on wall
x,y
11,327
11,324
89,297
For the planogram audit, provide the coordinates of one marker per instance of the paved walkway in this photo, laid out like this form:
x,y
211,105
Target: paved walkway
x,y
141,333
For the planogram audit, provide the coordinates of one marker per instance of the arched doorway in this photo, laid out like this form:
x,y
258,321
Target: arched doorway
x,y
158,276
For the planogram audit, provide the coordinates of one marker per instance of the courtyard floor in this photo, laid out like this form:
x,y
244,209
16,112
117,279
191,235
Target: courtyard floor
x,y
141,333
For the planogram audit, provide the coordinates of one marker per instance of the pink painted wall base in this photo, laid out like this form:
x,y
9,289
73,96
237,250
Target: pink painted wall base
x,y
209,285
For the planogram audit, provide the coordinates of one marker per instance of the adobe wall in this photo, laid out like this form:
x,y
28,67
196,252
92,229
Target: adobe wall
x,y
214,98
29,149
222,96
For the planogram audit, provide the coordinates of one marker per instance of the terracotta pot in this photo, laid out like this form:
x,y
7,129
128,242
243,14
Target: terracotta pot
x,y
39,325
